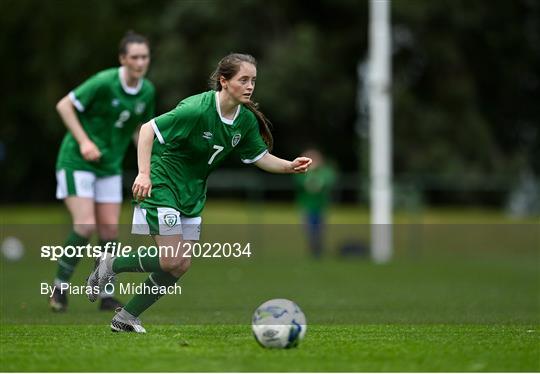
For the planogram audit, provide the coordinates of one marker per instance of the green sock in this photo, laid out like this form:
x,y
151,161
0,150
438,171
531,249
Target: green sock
x,y
136,263
140,302
66,265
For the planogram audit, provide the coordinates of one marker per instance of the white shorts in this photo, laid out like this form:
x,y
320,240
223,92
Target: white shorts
x,y
165,221
85,184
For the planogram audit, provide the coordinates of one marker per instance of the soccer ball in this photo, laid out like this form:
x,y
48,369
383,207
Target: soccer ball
x,y
12,248
279,323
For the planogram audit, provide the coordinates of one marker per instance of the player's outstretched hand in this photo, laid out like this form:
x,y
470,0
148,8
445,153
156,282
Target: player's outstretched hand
x,y
301,164
90,151
142,187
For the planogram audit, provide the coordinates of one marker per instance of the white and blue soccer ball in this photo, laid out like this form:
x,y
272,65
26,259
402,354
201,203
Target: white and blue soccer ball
x,y
279,323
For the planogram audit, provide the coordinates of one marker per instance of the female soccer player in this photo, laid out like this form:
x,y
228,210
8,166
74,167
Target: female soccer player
x,y
191,141
102,116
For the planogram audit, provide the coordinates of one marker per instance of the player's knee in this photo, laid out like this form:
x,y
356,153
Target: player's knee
x,y
184,265
175,265
108,231
85,228
180,265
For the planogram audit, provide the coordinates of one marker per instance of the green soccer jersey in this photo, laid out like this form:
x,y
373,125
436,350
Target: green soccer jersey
x,y
109,112
191,141
314,188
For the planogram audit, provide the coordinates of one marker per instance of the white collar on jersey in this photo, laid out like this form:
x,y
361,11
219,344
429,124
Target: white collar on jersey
x,y
223,119
127,89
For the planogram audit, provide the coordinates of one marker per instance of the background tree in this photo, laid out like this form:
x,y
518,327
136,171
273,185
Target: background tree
x,y
466,78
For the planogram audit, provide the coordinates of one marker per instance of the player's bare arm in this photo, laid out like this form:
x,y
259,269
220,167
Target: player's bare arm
x,y
89,150
142,187
273,164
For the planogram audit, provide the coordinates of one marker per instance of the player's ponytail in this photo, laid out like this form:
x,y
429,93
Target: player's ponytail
x,y
227,68
264,124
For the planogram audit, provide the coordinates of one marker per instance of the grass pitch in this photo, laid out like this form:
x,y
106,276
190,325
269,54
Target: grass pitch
x,y
455,298
231,348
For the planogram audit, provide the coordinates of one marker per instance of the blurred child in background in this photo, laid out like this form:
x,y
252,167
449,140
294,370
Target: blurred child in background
x,y
314,190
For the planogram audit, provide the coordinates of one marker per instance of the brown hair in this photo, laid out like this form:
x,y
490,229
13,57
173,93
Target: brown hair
x,y
227,68
129,38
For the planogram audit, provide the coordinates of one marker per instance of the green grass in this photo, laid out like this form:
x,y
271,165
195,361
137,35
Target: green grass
x,y
240,212
232,348
456,297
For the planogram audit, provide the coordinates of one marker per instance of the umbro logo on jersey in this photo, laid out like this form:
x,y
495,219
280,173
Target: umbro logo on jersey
x,y
207,135
236,140
115,102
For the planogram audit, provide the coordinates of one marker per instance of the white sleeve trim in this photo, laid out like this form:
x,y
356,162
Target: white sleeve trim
x,y
76,102
247,161
150,277
156,131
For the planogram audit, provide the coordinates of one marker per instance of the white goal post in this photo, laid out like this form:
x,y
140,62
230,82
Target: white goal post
x,y
380,114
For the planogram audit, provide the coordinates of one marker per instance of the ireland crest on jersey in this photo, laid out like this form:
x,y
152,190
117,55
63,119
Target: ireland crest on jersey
x,y
139,107
236,139
170,219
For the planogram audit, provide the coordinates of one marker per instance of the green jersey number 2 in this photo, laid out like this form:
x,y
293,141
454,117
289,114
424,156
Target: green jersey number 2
x,y
124,116
218,149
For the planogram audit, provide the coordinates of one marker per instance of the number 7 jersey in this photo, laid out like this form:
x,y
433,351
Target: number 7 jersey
x,y
191,141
